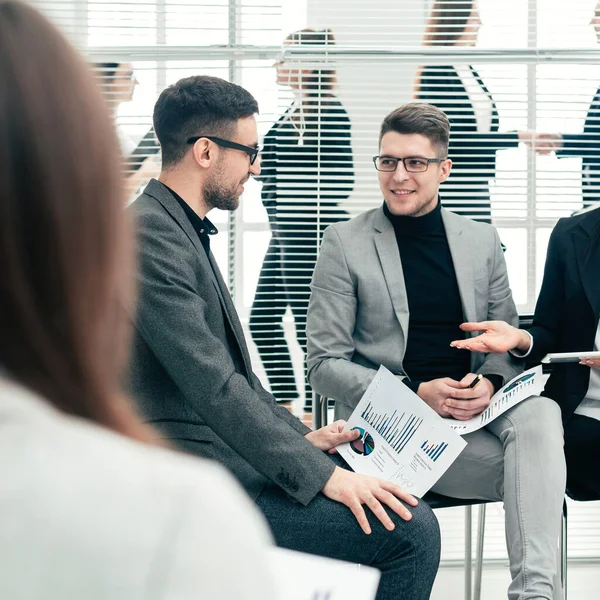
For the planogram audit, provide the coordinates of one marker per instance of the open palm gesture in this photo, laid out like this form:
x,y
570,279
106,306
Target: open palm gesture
x,y
497,336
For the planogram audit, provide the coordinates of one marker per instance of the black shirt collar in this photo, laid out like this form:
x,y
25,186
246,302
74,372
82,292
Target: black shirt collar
x,y
203,227
430,223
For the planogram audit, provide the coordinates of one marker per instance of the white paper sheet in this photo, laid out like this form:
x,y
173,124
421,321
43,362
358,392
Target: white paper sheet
x,y
402,439
529,383
308,577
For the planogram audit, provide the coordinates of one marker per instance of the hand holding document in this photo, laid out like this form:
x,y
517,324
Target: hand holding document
x,y
401,438
529,383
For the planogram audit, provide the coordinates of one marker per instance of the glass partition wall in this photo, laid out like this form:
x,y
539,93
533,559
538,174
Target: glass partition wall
x,y
529,66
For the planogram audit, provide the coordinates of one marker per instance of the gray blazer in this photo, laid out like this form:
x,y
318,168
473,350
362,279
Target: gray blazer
x,y
358,314
191,371
88,514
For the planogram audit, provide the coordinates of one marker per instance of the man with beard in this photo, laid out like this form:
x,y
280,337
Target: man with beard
x,y
191,371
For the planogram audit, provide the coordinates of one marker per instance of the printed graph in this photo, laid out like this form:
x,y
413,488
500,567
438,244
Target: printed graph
x,y
395,428
434,451
508,392
364,444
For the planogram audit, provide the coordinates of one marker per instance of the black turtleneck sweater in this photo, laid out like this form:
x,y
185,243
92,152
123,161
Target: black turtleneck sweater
x,y
433,299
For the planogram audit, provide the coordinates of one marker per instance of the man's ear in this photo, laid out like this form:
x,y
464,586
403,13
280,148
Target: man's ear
x,y
203,152
445,169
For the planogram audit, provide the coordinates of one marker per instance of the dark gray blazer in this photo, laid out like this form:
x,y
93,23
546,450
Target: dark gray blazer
x,y
191,372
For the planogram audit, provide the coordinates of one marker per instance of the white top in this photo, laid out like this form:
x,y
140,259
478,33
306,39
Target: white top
x,y
126,142
590,405
482,103
89,514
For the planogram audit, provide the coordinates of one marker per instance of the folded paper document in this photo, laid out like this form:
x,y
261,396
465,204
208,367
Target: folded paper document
x,y
529,383
401,438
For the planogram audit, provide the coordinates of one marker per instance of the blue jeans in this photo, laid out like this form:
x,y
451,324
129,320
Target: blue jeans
x,y
407,557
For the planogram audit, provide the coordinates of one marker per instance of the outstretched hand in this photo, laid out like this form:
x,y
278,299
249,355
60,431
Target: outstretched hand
x,y
497,337
330,436
354,490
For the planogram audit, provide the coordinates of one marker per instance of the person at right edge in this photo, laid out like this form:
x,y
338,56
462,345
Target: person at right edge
x,y
566,319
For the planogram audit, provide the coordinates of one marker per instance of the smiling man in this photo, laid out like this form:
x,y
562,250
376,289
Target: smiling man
x,y
191,371
391,287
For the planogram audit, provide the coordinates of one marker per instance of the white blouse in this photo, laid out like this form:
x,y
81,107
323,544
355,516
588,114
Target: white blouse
x,y
481,101
590,405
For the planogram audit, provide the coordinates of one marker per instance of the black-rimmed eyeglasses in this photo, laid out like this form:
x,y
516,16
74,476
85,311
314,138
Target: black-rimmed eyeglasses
x,y
251,151
413,164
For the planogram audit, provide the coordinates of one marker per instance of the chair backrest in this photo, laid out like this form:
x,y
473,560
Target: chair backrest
x,y
581,495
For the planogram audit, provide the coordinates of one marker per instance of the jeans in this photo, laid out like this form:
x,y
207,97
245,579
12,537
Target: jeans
x,y
519,458
408,557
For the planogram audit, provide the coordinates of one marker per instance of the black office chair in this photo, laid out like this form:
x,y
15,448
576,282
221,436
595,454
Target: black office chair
x,y
472,583
579,496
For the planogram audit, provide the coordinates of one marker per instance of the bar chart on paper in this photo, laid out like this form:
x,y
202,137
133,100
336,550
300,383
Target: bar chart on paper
x,y
397,428
434,451
402,439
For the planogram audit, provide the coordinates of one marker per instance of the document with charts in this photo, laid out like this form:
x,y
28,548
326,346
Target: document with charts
x,y
529,383
401,438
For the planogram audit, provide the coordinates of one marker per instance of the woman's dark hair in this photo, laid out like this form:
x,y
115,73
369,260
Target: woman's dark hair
x,y
447,22
198,105
64,237
321,80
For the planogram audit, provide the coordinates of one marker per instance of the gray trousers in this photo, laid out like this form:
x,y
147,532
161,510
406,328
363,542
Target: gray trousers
x,y
519,459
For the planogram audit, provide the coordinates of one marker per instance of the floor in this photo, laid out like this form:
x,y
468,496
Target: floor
x,y
583,582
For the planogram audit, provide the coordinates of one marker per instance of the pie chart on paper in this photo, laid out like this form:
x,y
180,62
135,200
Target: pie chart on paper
x,y
364,444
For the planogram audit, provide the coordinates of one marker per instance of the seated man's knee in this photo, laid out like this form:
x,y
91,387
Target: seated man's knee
x,y
424,530
538,416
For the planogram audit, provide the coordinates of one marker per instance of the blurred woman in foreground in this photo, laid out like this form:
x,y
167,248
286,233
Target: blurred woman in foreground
x,y
87,512
566,320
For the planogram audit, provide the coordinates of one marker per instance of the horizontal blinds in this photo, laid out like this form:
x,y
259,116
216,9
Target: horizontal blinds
x,y
534,67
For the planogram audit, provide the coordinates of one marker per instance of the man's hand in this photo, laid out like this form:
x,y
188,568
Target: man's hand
x,y
593,363
497,337
327,438
436,392
465,403
354,490
545,143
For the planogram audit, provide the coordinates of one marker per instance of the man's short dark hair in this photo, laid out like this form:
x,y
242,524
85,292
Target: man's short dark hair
x,y
422,118
199,105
